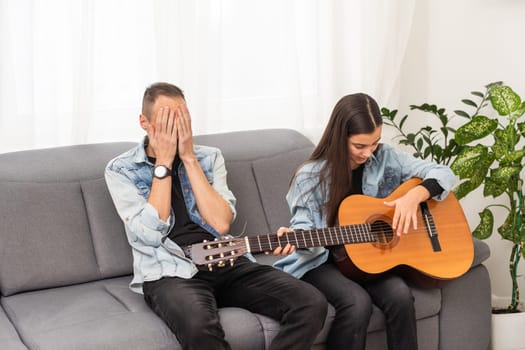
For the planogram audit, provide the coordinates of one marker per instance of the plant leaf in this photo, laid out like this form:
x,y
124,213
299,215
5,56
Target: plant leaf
x,y
472,162
477,128
403,121
500,146
477,93
469,102
520,111
500,180
508,230
514,157
486,225
503,99
465,188
462,113
521,128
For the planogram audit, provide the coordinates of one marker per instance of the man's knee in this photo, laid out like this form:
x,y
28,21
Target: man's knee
x,y
312,302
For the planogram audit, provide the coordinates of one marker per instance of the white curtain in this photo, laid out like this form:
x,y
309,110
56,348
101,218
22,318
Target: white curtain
x,y
73,71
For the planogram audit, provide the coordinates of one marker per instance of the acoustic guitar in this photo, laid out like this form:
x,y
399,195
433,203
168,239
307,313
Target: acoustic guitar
x,y
441,248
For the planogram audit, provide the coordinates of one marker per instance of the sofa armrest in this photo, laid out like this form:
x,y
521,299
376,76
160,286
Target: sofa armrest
x,y
481,252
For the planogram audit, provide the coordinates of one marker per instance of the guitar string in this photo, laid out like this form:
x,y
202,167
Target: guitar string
x,y
322,236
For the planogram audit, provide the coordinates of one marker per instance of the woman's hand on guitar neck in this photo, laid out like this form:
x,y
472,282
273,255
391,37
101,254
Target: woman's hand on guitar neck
x,y
405,209
288,248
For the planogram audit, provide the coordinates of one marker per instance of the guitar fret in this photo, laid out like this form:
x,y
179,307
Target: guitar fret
x,y
259,241
336,235
366,233
269,241
357,234
349,234
362,232
304,239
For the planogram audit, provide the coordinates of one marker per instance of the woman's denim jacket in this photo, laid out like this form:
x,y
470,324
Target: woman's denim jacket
x,y
129,178
384,171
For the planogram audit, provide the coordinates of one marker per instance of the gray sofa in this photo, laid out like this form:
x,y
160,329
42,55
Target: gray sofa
x,y
65,263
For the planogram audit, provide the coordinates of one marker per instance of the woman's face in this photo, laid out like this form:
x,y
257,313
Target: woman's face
x,y
361,146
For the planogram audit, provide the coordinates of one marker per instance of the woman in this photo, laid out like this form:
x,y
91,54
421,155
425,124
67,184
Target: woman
x,y
350,159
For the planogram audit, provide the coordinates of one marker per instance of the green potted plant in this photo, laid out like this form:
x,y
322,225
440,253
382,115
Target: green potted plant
x,y
484,151
497,165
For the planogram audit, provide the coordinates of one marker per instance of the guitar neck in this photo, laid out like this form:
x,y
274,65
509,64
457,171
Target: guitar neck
x,y
331,236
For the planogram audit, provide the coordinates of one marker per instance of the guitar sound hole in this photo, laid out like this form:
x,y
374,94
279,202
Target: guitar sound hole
x,y
383,232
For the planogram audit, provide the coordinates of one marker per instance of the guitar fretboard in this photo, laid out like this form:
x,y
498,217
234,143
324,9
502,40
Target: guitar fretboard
x,y
359,233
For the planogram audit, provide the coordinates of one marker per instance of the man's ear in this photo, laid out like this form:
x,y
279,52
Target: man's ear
x,y
144,122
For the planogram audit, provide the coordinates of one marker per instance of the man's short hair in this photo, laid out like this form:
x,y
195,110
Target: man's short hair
x,y
154,91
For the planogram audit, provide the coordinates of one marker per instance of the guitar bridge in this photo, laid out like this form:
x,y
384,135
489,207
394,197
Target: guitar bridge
x,y
430,226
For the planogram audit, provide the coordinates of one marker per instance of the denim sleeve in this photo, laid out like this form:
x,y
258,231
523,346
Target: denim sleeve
x,y
140,218
424,169
220,183
305,202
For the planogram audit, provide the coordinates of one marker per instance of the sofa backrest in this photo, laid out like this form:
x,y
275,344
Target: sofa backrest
x,y
58,225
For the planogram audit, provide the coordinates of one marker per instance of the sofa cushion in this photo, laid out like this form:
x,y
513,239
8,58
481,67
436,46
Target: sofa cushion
x,y
51,201
273,176
250,145
98,315
112,250
107,315
45,237
60,164
9,338
250,213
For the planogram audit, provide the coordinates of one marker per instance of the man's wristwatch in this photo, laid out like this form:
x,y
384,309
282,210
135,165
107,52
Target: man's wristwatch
x,y
161,171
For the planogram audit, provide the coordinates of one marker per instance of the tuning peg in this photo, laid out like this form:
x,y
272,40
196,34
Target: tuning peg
x,y
210,267
221,263
232,261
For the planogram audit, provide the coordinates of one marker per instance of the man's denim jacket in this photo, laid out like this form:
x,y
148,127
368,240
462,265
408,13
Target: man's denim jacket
x,y
384,171
129,178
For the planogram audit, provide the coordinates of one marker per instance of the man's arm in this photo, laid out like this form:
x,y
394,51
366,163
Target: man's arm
x,y
163,140
214,209
140,218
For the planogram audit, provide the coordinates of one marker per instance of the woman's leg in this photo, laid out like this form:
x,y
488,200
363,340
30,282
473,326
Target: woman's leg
x,y
189,309
353,306
392,295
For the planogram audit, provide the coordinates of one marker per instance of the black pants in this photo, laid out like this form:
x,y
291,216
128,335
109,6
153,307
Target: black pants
x,y
189,306
353,305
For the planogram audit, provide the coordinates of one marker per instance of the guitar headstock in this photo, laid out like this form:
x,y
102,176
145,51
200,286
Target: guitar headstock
x,y
218,252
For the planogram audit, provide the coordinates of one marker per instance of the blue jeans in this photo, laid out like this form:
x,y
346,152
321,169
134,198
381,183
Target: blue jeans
x,y
353,305
189,306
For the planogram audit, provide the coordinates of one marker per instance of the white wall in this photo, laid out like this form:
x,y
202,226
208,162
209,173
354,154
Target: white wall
x,y
457,47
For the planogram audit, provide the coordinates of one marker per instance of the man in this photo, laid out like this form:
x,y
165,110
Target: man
x,y
171,194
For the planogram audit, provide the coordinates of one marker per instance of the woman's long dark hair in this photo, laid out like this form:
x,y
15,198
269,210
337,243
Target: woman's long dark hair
x,y
353,114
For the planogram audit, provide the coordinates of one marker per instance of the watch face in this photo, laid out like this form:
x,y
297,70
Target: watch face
x,y
160,171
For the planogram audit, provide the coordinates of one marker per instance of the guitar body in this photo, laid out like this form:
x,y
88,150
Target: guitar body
x,y
412,252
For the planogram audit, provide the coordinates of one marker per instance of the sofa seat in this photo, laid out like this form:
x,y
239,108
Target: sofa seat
x,y
9,338
85,316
